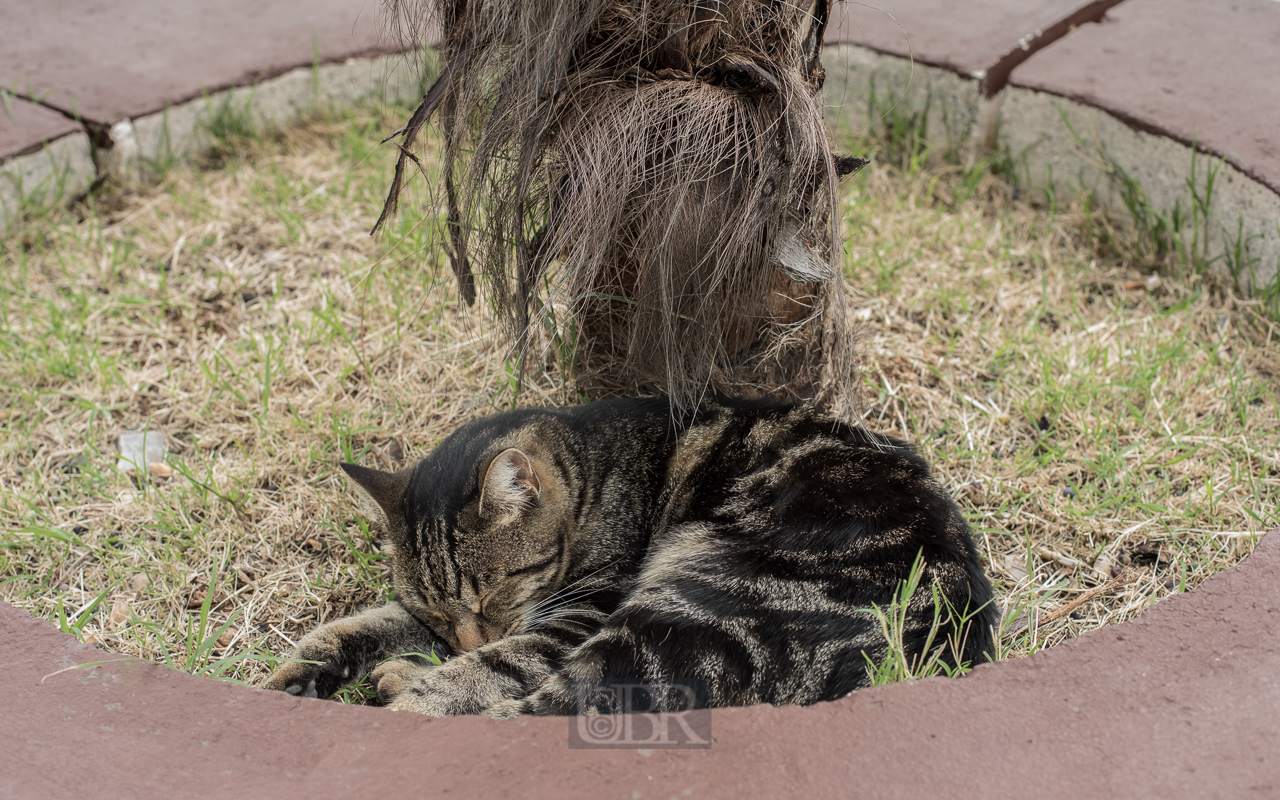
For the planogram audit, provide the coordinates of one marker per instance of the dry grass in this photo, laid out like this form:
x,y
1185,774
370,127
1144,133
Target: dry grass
x,y
1111,445
1114,437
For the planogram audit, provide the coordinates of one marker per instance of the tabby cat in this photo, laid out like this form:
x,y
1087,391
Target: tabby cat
x,y
723,556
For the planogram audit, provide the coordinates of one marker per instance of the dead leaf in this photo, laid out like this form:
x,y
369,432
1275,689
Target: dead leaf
x,y
120,611
1065,561
310,543
975,492
1015,567
196,599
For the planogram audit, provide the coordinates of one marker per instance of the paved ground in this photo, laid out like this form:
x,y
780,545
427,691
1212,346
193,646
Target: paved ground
x,y
1182,702
102,61
1204,72
1194,70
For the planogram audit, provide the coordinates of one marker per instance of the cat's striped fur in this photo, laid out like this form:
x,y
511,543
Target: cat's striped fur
x,y
730,553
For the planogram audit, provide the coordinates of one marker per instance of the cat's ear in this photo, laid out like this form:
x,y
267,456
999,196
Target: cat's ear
x,y
381,493
510,483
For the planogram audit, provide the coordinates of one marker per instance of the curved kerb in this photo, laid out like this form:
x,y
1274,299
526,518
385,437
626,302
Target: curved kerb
x,y
1183,701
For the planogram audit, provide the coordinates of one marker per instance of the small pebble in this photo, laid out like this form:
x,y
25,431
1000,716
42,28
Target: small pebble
x,y
141,447
1068,492
139,582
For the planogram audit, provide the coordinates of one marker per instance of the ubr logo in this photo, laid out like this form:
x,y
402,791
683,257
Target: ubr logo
x,y
642,726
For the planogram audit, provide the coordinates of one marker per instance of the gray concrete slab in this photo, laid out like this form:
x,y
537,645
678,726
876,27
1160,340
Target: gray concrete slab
x,y
1193,70
1128,98
106,61
1069,147
1182,702
45,158
141,146
866,89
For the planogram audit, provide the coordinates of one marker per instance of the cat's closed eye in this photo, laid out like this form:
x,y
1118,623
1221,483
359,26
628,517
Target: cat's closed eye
x,y
429,616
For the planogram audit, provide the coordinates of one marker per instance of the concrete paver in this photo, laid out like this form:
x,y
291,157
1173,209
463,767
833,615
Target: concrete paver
x,y
106,61
25,126
45,157
982,39
1195,70
1183,701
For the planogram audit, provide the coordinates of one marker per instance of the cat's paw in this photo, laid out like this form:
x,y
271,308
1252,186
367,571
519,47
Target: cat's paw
x,y
393,678
506,709
308,677
320,668
406,684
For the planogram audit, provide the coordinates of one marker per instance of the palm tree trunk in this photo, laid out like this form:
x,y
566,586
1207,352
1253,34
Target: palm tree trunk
x,y
656,171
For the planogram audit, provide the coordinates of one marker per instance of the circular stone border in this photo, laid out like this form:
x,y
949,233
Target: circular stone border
x,y
1183,701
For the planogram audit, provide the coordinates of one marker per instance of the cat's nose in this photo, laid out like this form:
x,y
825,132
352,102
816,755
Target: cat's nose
x,y
473,631
468,634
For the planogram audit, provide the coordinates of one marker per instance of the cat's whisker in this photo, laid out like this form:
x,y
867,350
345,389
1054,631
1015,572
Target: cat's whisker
x,y
570,591
552,613
580,625
593,576
568,606
578,587
564,619
561,602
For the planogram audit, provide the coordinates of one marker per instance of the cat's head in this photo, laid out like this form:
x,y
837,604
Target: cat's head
x,y
474,541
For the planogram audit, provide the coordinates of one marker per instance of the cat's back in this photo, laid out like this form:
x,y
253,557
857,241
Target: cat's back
x,y
813,455
784,526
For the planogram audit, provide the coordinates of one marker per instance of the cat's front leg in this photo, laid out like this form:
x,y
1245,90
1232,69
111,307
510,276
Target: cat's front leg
x,y
346,649
476,681
460,686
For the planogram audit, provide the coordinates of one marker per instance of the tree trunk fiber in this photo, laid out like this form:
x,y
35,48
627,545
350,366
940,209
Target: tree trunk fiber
x,y
651,181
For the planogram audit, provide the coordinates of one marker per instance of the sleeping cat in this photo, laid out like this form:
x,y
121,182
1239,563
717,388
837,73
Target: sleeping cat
x,y
724,556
